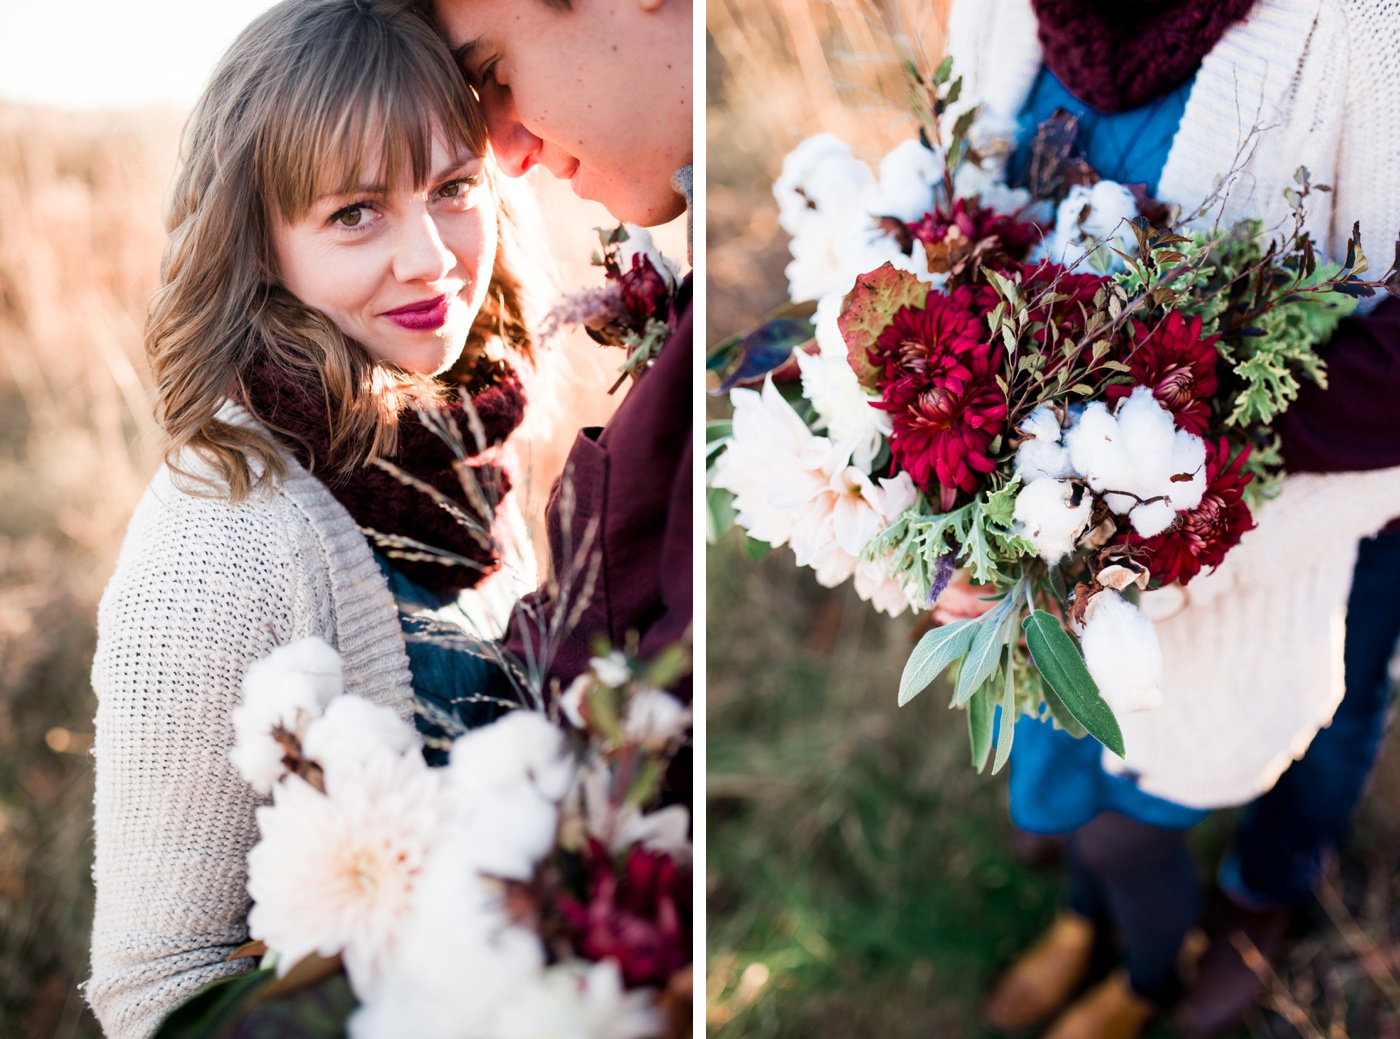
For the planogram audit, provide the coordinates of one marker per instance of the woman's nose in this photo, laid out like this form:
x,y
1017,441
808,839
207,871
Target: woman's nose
x,y
422,253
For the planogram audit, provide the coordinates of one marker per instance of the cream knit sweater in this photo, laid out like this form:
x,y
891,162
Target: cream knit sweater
x,y
1253,654
203,588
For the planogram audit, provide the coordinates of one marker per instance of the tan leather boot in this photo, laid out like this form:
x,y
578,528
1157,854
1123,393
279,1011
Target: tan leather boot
x,y
1109,1010
1043,978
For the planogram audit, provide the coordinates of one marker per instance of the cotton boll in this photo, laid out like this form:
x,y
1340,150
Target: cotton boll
x,y
654,718
612,669
666,830
908,175
352,730
1045,517
818,175
1042,455
987,183
1096,453
510,831
1111,206
1151,518
1122,653
524,747
1160,453
288,689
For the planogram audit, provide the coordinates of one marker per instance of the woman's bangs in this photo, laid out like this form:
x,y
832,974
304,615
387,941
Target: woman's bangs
x,y
369,126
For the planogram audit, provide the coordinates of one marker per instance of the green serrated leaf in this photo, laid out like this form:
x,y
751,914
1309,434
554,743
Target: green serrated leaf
x,y
935,651
1062,664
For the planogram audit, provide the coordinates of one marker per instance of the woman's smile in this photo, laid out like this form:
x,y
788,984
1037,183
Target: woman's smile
x,y
424,316
401,269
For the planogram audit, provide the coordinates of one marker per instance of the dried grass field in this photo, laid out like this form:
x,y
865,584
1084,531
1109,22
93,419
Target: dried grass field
x,y
80,242
857,871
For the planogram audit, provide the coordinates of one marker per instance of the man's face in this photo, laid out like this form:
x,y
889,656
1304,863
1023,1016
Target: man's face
x,y
599,95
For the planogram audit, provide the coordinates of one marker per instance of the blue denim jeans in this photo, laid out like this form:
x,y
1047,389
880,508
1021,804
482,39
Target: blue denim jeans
x,y
1283,837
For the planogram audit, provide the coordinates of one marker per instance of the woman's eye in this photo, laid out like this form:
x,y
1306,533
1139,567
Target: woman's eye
x,y
458,189
351,216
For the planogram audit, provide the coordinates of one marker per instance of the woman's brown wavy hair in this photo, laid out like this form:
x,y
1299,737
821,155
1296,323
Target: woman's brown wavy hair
x,y
303,99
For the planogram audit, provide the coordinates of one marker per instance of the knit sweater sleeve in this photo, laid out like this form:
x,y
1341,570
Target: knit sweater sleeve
x,y
202,589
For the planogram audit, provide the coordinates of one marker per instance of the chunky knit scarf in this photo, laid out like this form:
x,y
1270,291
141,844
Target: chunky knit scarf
x,y
1117,55
296,410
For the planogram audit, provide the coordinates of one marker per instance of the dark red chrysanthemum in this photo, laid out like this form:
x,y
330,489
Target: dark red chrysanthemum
x,y
1013,238
1059,297
1179,365
1202,536
644,292
640,916
938,380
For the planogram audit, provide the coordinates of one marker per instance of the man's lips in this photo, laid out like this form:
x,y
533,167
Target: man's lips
x,y
426,315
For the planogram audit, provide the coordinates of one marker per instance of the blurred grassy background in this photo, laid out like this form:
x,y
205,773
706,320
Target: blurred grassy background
x,y
81,199
858,876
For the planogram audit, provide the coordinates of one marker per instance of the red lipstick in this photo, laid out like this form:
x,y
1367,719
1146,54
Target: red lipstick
x,y
424,316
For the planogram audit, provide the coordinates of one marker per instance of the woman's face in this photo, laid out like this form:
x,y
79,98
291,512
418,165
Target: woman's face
x,y
401,270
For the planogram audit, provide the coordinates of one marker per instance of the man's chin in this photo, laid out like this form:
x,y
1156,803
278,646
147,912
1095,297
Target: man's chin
x,y
646,202
649,210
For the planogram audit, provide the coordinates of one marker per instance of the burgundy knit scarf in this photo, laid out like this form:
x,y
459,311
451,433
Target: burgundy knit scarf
x,y
1117,55
296,410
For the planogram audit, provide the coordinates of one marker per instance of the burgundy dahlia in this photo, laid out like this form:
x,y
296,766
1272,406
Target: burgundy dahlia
x,y
1179,365
1202,536
1008,239
938,380
639,916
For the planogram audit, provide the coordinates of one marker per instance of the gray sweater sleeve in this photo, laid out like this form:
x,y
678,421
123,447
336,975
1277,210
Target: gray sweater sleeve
x,y
202,589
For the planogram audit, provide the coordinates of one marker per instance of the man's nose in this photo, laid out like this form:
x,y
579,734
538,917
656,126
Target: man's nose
x,y
515,147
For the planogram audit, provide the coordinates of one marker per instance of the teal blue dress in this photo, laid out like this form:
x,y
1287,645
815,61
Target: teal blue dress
x,y
1058,782
456,686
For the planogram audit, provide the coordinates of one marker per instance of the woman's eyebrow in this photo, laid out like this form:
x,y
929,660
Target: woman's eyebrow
x,y
456,165
354,189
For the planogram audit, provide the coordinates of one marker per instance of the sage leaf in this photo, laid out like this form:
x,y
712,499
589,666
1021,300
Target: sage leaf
x,y
935,651
1061,713
1007,729
980,710
1062,665
982,658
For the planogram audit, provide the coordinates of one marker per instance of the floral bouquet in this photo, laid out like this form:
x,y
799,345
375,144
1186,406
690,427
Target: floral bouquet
x,y
1064,388
635,308
521,890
